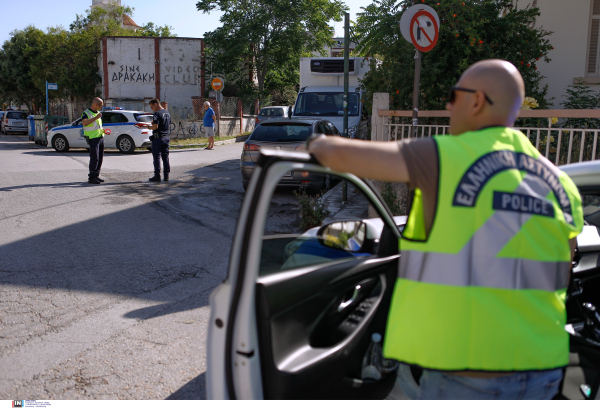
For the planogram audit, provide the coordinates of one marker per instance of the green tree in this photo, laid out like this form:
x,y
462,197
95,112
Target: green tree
x,y
16,84
267,37
152,30
470,30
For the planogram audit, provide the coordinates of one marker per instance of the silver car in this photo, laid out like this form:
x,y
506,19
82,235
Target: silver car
x,y
14,121
273,113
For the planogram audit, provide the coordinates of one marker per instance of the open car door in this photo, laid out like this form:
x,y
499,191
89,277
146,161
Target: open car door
x,y
307,288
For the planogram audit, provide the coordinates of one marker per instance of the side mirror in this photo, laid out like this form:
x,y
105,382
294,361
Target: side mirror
x,y
343,235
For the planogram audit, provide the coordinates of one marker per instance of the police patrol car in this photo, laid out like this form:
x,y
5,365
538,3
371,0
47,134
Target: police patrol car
x,y
124,130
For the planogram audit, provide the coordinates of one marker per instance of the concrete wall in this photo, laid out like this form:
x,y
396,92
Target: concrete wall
x,y
229,126
570,23
142,68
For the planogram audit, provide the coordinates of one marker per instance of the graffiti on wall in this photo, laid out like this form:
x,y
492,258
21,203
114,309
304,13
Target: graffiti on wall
x,y
181,75
132,73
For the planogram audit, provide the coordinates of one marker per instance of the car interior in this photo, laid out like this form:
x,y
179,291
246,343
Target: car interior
x,y
309,337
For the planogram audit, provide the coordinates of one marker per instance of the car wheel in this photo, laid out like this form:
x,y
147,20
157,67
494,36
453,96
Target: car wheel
x,y
125,144
60,143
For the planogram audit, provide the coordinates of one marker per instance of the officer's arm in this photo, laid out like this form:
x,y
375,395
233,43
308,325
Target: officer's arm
x,y
372,160
89,121
153,126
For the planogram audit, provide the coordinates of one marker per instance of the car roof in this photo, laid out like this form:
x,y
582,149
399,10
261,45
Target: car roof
x,y
267,107
584,174
289,122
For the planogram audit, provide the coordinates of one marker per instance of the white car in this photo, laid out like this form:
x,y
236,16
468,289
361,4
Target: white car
x,y
300,307
125,130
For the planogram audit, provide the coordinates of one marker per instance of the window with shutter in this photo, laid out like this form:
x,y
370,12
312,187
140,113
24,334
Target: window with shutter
x,y
592,69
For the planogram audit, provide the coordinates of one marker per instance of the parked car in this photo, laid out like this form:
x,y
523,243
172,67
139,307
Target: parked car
x,y
273,112
2,113
290,325
14,122
125,130
285,135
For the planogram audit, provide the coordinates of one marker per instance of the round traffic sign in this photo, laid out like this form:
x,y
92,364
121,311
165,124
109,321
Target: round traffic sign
x,y
217,84
107,131
407,16
424,31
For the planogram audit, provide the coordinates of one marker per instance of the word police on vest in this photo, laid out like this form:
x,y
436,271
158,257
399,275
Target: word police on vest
x,y
522,203
486,167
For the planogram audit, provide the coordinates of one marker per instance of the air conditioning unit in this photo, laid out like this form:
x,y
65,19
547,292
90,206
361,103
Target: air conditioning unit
x,y
330,66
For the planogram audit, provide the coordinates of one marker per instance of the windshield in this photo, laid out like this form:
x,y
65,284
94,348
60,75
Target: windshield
x,y
16,115
271,112
143,117
326,104
281,133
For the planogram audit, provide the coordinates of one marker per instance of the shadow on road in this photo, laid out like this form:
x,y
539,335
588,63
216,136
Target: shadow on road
x,y
194,390
183,233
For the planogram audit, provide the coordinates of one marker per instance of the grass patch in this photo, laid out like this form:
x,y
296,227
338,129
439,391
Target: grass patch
x,y
195,142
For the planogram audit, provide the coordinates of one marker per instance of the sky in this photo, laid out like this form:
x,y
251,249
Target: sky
x,y
179,14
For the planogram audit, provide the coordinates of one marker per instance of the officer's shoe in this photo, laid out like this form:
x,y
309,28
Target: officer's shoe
x,y
93,181
155,178
166,178
100,180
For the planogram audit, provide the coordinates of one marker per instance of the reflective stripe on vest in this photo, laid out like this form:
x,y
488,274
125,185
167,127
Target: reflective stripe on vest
x,y
485,289
94,129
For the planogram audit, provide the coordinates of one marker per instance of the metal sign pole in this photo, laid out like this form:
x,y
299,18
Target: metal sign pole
x,y
415,116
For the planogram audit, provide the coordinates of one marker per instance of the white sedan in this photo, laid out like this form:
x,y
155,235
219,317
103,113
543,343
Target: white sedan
x,y
124,130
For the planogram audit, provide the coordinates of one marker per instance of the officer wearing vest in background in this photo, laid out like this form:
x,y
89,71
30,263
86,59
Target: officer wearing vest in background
x,y
94,134
486,253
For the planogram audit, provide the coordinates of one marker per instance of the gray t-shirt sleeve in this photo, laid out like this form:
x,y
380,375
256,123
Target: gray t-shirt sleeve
x,y
422,161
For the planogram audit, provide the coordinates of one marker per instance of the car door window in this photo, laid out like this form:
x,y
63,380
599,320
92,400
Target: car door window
x,y
113,117
307,224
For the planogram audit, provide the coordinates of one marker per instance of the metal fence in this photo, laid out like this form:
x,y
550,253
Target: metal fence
x,y
561,145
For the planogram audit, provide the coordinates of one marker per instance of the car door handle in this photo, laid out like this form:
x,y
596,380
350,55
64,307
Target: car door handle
x,y
350,301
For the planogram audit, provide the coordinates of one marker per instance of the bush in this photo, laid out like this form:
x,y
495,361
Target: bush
x,y
312,209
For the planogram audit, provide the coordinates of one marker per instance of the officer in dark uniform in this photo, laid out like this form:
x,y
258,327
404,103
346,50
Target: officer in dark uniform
x,y
94,135
161,123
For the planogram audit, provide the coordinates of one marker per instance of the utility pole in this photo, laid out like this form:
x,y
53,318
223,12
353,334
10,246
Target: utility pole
x,y
346,81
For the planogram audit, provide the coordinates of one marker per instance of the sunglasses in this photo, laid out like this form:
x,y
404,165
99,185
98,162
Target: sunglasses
x,y
456,88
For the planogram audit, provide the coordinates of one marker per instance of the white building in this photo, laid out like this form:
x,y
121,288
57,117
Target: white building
x,y
576,56
135,70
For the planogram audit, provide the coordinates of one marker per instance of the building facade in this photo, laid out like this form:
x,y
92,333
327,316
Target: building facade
x,y
135,70
575,26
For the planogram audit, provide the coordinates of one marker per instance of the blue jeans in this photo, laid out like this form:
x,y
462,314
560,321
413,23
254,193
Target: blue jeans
x,y
527,385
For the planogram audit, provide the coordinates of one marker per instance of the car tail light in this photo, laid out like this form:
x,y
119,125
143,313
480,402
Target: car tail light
x,y
257,120
141,125
250,146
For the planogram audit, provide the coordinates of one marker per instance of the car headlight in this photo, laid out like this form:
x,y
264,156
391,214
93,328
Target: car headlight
x,y
352,131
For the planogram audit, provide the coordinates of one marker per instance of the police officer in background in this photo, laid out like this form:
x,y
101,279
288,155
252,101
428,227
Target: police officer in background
x,y
94,135
479,302
161,123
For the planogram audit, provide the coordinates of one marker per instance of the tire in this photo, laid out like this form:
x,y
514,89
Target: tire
x,y
60,143
125,144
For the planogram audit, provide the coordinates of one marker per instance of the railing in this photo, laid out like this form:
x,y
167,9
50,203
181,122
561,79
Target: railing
x,y
558,144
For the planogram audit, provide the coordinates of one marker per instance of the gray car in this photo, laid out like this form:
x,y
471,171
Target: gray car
x,y
14,121
285,135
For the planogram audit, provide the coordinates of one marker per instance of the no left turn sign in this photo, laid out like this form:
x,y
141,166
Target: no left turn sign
x,y
424,31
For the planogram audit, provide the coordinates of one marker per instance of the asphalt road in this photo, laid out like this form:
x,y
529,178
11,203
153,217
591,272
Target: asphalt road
x,y
104,289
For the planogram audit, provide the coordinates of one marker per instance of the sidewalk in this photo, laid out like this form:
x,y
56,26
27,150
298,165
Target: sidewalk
x,y
357,207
